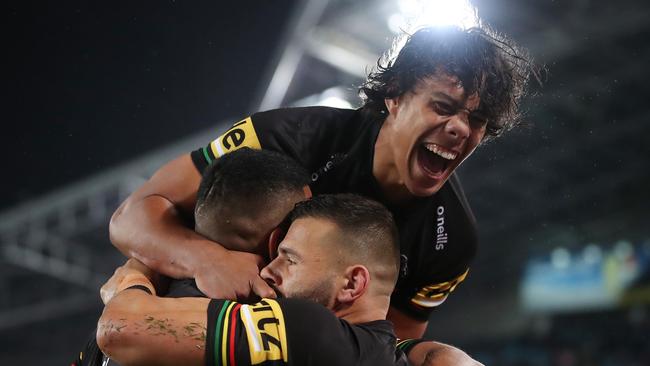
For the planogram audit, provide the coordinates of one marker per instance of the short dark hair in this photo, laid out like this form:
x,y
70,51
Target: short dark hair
x,y
484,61
368,226
248,175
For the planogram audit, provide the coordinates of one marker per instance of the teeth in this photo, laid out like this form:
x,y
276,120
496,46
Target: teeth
x,y
440,152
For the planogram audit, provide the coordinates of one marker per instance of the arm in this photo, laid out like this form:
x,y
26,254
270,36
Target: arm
x,y
149,226
438,354
137,328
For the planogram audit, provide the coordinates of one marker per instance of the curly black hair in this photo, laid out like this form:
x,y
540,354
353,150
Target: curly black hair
x,y
484,62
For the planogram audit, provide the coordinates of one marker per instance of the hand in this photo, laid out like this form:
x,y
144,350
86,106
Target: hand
x,y
132,267
226,274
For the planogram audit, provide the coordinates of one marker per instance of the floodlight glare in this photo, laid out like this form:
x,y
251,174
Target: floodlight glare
x,y
335,102
414,14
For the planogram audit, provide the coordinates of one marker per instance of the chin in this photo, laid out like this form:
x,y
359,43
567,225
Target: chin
x,y
425,192
427,186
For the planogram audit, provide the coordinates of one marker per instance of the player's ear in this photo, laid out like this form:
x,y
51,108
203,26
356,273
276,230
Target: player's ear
x,y
391,105
357,280
307,192
274,241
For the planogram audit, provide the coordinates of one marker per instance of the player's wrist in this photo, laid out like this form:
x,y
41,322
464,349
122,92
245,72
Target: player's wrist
x,y
135,279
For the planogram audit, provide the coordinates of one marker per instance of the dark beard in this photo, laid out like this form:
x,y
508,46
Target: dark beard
x,y
319,294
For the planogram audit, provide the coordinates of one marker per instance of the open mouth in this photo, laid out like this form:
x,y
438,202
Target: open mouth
x,y
434,159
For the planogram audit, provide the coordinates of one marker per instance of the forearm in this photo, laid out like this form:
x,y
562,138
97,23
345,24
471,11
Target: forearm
x,y
151,230
140,329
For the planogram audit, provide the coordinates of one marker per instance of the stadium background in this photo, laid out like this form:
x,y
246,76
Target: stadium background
x,y
99,95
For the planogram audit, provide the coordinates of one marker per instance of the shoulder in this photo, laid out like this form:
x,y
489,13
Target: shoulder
x,y
314,330
309,113
302,118
300,312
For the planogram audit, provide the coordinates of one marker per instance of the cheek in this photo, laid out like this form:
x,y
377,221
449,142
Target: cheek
x,y
475,138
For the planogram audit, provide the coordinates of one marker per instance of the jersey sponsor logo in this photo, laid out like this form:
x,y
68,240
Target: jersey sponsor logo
x,y
265,331
241,134
333,161
433,295
403,265
441,233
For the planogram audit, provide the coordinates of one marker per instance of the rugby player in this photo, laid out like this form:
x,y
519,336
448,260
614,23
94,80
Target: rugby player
x,y
339,258
426,109
242,198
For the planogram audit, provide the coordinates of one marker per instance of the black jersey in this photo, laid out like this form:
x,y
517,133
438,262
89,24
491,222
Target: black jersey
x,y
294,332
437,233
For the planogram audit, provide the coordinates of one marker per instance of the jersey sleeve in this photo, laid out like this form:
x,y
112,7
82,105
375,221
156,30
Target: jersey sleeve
x,y
241,334
281,332
239,135
419,302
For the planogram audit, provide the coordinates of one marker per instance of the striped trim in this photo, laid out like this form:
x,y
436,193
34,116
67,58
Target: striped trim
x,y
206,155
248,319
224,333
216,148
403,344
406,345
231,337
217,332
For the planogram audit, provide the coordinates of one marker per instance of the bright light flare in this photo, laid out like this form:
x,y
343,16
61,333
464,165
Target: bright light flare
x,y
415,14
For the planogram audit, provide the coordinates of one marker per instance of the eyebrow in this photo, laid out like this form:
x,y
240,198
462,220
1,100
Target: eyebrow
x,y
445,96
456,103
289,251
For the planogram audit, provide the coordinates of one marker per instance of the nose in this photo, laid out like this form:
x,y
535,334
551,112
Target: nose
x,y
270,274
458,126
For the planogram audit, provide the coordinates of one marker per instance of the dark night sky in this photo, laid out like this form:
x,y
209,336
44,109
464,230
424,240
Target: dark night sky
x,y
92,85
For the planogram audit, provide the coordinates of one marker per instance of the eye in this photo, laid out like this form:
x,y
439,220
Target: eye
x,y
477,120
291,261
442,108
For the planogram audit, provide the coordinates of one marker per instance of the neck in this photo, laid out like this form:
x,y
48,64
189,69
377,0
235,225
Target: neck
x,y
364,309
384,169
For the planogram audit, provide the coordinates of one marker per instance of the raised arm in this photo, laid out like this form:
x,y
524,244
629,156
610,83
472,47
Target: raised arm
x,y
150,225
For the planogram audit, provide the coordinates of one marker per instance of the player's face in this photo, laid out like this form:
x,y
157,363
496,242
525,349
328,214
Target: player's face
x,y
306,266
430,131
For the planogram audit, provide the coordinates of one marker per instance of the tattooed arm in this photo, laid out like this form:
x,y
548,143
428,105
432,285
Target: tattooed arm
x,y
137,328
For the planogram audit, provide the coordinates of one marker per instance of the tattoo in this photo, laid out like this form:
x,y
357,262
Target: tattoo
x,y
193,330
196,331
160,326
110,326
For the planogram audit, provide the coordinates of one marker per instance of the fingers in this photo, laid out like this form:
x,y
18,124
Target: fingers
x,y
262,289
259,261
107,290
104,294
